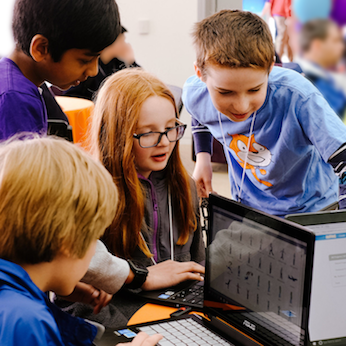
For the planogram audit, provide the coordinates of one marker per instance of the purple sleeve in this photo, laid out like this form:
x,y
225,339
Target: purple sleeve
x,y
21,113
202,137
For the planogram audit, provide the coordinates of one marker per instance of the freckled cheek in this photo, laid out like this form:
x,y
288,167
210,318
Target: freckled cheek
x,y
139,153
260,100
221,103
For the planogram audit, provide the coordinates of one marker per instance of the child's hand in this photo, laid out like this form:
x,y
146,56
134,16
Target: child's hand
x,y
170,273
88,294
143,339
202,174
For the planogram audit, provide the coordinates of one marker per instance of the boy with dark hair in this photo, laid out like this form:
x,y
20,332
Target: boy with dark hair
x,y
58,41
52,211
280,136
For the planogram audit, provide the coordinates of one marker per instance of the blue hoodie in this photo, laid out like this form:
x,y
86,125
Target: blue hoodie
x,y
27,317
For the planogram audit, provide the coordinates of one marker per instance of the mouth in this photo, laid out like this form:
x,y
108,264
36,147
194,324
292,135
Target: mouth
x,y
68,86
239,116
159,157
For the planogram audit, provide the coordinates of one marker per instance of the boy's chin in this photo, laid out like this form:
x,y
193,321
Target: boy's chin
x,y
238,118
63,87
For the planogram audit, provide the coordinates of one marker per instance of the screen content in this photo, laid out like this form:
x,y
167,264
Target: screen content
x,y
260,269
328,303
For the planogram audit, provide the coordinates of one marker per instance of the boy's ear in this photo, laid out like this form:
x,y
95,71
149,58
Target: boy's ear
x,y
271,67
198,72
39,47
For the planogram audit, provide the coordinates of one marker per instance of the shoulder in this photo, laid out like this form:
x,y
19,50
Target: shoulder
x,y
195,95
12,80
36,327
282,80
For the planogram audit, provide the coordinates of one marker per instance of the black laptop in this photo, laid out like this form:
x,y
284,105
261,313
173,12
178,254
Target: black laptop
x,y
328,303
257,284
187,293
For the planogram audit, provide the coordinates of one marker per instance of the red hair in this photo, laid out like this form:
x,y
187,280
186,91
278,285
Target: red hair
x,y
115,119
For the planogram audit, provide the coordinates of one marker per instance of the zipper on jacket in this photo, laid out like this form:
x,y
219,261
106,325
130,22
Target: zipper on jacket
x,y
155,214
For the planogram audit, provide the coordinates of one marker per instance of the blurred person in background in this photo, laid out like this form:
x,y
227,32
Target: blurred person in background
x,y
280,10
115,57
321,51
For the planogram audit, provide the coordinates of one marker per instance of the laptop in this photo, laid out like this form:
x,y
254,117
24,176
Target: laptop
x,y
186,294
257,284
328,303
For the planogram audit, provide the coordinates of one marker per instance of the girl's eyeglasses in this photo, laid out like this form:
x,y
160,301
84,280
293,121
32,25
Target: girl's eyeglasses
x,y
152,139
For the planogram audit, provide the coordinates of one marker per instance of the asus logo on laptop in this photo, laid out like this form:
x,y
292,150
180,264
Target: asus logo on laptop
x,y
249,325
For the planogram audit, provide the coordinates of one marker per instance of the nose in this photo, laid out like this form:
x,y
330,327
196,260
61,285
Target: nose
x,y
164,141
93,68
241,105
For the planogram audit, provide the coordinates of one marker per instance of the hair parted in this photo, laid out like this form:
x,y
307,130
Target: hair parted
x,y
115,119
316,29
67,24
233,39
53,197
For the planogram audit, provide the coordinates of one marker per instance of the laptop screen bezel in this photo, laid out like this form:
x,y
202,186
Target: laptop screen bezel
x,y
325,217
283,226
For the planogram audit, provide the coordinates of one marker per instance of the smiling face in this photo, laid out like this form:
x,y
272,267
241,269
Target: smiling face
x,y
235,92
75,66
156,115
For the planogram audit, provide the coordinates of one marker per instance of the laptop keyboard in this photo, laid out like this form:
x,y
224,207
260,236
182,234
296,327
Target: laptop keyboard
x,y
192,295
184,332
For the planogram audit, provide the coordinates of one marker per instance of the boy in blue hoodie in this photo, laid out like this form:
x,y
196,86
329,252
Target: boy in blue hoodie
x,y
51,215
283,142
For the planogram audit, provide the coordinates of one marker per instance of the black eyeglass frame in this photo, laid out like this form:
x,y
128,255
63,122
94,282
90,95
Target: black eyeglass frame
x,y
181,125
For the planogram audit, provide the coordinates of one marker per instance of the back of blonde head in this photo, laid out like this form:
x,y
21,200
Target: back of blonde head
x,y
53,196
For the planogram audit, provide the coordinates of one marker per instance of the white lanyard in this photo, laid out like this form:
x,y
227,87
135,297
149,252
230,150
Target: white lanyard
x,y
239,190
170,222
170,229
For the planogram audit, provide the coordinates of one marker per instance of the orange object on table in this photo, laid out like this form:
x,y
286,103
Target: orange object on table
x,y
78,112
153,312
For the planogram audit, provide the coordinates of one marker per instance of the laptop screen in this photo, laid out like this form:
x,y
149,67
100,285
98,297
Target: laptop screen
x,y
258,272
328,303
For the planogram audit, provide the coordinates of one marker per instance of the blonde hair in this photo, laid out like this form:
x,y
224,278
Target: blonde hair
x,y
233,39
53,196
115,119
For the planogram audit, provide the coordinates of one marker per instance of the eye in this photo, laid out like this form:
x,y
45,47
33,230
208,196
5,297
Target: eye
x,y
85,62
241,145
254,90
225,92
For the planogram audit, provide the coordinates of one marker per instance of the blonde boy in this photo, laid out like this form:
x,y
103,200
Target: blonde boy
x,y
55,202
280,137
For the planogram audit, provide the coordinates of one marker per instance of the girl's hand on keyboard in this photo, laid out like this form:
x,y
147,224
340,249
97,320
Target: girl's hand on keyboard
x,y
170,273
143,339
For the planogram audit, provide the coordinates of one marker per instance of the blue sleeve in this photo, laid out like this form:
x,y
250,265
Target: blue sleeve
x,y
29,331
202,137
194,101
328,134
21,113
321,125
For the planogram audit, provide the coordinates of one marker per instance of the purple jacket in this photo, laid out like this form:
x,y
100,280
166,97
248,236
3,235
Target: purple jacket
x,y
156,226
22,108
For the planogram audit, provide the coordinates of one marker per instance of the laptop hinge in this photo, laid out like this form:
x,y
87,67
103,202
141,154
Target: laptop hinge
x,y
234,333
